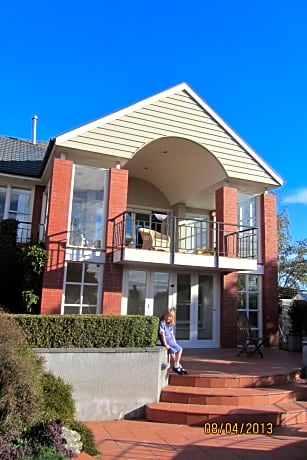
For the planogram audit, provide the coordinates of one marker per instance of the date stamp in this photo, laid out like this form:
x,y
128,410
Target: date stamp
x,y
238,428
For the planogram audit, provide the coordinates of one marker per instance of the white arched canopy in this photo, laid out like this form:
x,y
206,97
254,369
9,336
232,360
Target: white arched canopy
x,y
184,171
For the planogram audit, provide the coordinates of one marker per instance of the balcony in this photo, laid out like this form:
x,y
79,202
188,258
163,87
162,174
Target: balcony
x,y
29,231
185,243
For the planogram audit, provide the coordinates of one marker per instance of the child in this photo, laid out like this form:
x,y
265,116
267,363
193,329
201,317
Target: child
x,y
167,336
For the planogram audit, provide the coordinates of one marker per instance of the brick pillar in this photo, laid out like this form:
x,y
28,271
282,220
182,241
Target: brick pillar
x,y
37,210
113,273
226,211
269,259
56,235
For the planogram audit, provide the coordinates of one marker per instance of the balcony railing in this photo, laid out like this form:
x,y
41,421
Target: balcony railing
x,y
185,235
28,231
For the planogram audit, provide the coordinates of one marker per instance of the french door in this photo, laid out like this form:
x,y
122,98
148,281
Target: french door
x,y
197,310
194,296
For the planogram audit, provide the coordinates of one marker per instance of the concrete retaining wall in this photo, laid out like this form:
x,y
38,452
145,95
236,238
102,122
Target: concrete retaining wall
x,y
110,383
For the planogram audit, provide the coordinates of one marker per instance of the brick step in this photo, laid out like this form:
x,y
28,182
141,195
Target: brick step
x,y
231,380
244,397
288,413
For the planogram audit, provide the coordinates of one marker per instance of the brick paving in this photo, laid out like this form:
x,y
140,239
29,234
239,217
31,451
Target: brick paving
x,y
140,439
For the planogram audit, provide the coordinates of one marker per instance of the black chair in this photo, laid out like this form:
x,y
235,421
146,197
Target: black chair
x,y
250,343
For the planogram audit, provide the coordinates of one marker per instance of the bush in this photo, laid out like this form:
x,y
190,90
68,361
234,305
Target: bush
x,y
10,267
298,316
47,435
34,406
11,448
89,331
87,438
58,400
21,372
47,454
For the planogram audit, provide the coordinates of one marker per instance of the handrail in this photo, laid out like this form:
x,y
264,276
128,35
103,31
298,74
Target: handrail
x,y
187,235
30,231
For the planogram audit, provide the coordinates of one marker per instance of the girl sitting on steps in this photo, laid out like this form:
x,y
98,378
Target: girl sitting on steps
x,y
166,332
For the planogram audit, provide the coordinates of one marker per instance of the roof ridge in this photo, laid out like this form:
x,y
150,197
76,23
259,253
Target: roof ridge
x,y
19,139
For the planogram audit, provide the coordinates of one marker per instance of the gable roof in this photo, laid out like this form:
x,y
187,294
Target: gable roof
x,y
180,112
21,157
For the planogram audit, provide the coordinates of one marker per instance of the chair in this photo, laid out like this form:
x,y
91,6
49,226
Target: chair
x,y
250,343
154,240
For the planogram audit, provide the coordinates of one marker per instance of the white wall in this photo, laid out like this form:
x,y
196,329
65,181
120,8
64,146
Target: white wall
x,y
110,384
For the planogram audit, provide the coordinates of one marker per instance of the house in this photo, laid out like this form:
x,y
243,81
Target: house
x,y
159,204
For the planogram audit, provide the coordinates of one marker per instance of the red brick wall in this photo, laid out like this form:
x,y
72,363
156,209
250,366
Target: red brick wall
x,y
228,319
56,235
269,259
226,211
113,274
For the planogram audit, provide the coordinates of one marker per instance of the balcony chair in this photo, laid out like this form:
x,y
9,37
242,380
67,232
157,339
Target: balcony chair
x,y
151,239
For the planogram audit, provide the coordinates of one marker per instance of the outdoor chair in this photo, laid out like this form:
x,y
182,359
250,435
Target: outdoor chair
x,y
154,240
249,342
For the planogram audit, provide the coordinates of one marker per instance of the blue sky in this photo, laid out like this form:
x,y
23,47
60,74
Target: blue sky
x,y
71,62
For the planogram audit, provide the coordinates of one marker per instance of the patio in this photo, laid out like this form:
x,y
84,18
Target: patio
x,y
226,361
134,439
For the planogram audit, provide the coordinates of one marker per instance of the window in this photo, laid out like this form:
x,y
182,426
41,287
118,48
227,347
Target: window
x,y
147,292
247,217
249,299
15,203
88,207
82,288
136,292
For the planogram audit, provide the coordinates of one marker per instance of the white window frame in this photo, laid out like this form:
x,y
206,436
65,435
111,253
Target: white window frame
x,y
6,215
82,284
246,292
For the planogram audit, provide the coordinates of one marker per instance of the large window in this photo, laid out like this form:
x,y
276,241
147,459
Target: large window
x,y
88,207
247,217
193,233
249,299
82,288
15,203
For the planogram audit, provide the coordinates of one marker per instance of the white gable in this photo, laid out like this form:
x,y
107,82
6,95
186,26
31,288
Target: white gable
x,y
178,112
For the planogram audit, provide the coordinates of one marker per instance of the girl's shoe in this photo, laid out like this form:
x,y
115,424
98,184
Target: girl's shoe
x,y
178,370
183,371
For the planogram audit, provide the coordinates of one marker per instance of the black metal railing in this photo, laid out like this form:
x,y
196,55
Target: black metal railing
x,y
185,235
29,231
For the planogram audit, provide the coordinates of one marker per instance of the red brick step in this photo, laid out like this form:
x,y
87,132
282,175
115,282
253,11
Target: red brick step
x,y
231,381
245,397
198,414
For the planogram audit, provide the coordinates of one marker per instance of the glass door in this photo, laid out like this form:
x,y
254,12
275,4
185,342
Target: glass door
x,y
197,310
183,307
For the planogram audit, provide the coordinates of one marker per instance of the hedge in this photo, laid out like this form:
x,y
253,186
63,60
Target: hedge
x,y
89,331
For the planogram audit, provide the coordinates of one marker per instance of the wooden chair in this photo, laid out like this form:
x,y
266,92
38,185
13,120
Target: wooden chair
x,y
248,340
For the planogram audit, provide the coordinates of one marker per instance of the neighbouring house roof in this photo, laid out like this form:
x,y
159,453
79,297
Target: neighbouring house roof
x,y
21,157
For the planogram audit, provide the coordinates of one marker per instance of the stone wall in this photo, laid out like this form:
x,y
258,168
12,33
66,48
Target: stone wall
x,y
110,383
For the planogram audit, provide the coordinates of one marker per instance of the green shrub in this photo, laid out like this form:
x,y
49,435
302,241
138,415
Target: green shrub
x,y
298,316
33,260
47,454
10,267
20,378
89,331
87,438
58,399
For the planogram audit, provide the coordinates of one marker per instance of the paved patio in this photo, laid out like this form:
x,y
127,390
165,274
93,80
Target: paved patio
x,y
136,439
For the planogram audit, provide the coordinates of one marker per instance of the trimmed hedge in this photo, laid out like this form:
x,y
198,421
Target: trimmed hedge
x,y
89,331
